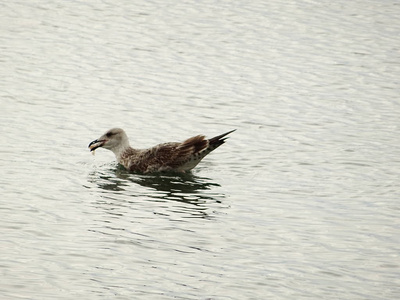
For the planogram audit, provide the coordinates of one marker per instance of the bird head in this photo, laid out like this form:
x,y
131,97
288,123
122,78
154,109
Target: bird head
x,y
114,139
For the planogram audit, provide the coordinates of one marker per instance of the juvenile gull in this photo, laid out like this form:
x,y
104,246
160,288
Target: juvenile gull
x,y
173,156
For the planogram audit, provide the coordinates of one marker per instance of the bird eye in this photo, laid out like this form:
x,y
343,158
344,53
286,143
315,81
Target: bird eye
x,y
108,134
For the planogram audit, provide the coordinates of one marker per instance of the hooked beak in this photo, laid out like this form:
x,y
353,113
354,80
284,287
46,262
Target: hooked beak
x,y
96,144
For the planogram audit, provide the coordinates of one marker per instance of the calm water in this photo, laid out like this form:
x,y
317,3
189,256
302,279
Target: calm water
x,y
302,202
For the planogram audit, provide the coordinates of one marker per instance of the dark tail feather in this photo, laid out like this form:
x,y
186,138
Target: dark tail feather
x,y
219,140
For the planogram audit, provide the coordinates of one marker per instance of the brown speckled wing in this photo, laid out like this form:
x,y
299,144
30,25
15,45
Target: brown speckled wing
x,y
154,159
171,156
192,146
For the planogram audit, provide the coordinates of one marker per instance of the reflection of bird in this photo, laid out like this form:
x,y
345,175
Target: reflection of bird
x,y
179,157
186,193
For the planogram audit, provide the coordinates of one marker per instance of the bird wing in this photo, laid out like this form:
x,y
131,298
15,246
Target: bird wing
x,y
175,156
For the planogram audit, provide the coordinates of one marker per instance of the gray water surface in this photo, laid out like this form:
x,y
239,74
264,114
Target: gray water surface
x,y
302,202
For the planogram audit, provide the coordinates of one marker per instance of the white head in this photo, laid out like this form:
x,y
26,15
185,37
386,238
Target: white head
x,y
114,139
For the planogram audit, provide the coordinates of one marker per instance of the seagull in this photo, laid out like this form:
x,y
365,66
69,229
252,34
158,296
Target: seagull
x,y
174,156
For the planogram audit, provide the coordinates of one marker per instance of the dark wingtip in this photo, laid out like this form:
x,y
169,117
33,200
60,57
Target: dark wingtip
x,y
219,140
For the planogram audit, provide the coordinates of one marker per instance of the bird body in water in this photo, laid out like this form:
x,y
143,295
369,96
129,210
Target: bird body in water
x,y
173,156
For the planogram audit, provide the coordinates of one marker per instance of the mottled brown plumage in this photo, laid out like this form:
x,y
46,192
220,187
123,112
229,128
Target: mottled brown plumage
x,y
163,157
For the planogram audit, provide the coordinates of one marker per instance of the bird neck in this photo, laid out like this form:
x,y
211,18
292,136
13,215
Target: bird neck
x,y
121,149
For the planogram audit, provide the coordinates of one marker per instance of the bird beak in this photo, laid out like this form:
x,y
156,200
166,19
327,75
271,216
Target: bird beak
x,y
96,144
